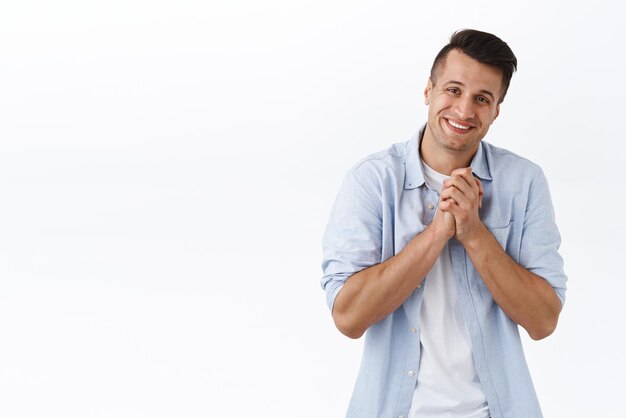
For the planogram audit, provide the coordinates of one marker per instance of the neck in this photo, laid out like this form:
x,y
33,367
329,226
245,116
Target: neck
x,y
441,158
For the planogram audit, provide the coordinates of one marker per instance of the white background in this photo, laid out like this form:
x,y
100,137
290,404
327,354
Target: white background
x,y
167,170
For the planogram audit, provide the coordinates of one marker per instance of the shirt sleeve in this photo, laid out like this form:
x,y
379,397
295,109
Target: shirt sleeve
x,y
541,238
353,237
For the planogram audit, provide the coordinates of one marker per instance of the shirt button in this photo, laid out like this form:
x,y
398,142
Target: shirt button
x,y
413,330
430,206
411,373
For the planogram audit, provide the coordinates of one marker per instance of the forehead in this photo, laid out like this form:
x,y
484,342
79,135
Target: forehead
x,y
475,75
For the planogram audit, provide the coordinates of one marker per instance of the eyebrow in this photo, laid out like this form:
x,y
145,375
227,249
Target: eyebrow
x,y
486,92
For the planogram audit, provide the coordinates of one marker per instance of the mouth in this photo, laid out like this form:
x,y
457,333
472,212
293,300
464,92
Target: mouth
x,y
458,127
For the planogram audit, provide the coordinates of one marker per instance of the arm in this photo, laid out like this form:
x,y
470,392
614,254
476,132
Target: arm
x,y
371,294
525,297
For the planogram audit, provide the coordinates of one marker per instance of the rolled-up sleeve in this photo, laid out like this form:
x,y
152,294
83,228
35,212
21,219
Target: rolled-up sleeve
x,y
541,238
353,237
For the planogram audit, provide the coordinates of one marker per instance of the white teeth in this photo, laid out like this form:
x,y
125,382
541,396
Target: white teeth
x,y
456,125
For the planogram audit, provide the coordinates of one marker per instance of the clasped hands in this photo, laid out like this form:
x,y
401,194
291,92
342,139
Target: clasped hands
x,y
459,203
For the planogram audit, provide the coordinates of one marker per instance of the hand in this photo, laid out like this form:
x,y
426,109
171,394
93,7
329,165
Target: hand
x,y
444,224
462,197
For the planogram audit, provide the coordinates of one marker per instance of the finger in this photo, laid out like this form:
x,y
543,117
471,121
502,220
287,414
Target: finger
x,y
481,192
479,184
461,171
447,203
465,173
460,198
461,184
450,206
471,192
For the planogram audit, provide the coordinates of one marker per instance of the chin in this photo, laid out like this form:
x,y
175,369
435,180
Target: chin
x,y
459,146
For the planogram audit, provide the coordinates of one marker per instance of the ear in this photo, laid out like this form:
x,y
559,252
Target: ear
x,y
427,91
497,113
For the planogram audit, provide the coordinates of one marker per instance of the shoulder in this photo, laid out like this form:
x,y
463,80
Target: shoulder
x,y
386,162
503,162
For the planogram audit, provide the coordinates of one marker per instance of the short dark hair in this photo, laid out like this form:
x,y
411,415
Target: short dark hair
x,y
483,47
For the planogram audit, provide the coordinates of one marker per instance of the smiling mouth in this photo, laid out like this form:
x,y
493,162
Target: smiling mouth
x,y
458,126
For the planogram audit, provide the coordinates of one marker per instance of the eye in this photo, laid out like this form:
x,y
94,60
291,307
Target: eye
x,y
482,99
453,90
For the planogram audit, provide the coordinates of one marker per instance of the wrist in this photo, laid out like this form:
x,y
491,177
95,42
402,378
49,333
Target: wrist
x,y
438,232
474,240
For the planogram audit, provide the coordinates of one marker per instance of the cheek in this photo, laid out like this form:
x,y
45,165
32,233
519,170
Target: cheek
x,y
438,105
489,117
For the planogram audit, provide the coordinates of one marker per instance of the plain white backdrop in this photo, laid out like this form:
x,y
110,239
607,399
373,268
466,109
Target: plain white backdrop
x,y
167,169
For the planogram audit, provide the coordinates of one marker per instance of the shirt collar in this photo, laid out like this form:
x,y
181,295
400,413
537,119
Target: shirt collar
x,y
480,163
415,177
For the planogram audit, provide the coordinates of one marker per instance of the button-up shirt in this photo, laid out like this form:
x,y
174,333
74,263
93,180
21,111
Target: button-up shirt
x,y
382,204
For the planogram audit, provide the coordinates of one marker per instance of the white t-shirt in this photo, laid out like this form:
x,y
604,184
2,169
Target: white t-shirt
x,y
447,383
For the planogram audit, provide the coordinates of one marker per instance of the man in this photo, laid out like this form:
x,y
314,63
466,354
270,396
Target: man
x,y
439,248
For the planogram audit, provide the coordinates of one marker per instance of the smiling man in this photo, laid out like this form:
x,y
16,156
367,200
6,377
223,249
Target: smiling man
x,y
438,249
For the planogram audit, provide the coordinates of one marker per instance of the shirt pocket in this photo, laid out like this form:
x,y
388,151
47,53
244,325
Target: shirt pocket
x,y
508,236
503,233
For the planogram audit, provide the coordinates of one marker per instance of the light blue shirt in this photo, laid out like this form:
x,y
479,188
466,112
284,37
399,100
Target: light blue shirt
x,y
382,204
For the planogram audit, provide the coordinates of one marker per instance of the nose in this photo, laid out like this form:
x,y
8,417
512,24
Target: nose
x,y
465,107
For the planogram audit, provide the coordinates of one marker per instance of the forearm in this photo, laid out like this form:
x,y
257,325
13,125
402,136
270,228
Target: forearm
x,y
372,294
526,298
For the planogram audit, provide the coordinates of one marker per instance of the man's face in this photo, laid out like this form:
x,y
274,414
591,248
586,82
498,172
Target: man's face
x,y
463,102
